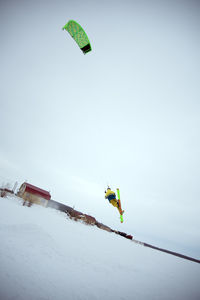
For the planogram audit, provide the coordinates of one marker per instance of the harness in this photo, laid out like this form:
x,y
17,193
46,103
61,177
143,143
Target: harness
x,y
112,196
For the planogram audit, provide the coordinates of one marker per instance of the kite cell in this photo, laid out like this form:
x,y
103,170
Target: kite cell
x,y
79,35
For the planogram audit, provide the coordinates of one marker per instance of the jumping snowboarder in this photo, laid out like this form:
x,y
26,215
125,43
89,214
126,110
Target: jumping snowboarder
x,y
111,196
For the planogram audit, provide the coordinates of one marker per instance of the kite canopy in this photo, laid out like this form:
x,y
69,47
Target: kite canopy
x,y
79,35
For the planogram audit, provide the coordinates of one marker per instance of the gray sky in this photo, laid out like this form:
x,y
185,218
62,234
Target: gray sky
x,y
125,114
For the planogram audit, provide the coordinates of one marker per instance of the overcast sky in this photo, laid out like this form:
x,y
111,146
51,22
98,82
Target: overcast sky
x,y
126,114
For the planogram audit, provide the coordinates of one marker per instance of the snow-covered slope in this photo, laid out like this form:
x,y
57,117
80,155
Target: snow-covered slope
x,y
44,255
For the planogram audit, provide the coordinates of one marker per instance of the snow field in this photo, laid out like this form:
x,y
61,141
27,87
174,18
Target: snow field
x,y
45,255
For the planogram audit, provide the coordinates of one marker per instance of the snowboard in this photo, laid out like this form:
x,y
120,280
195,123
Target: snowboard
x,y
120,208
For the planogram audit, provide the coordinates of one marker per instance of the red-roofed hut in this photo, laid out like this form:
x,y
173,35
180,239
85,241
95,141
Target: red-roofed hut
x,y
33,194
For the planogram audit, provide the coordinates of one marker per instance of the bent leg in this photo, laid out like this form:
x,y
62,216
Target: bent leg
x,y
114,202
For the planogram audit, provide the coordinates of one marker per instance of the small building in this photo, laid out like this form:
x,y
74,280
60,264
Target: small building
x,y
33,194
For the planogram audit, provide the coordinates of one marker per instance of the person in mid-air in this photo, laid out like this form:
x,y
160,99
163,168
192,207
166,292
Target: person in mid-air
x,y
110,195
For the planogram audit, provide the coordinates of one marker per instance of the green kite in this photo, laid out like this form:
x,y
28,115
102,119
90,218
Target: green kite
x,y
79,35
